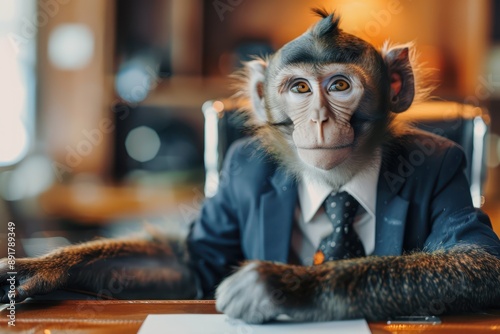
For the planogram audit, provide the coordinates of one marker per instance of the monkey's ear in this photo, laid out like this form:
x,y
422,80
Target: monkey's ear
x,y
401,76
256,70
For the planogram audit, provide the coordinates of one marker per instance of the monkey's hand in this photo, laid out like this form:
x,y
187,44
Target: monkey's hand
x,y
260,291
458,280
31,277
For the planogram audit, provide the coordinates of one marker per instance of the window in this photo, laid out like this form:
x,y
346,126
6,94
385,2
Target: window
x,y
18,29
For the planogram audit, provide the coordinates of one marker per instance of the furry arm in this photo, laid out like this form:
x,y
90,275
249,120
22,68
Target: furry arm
x,y
116,268
375,288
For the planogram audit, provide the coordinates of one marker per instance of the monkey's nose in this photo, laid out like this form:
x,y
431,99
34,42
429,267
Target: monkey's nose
x,y
320,115
320,119
319,124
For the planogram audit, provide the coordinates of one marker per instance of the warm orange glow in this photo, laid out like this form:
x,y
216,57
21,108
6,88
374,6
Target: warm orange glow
x,y
218,106
319,257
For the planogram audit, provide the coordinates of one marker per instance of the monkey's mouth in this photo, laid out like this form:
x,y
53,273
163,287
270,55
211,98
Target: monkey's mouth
x,y
325,158
338,147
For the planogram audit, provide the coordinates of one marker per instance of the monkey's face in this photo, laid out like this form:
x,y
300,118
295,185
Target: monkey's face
x,y
320,101
323,102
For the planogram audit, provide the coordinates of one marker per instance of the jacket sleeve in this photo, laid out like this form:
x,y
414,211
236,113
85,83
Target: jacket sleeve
x,y
454,219
214,239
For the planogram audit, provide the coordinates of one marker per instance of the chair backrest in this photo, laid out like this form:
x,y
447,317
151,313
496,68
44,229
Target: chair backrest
x,y
222,128
464,124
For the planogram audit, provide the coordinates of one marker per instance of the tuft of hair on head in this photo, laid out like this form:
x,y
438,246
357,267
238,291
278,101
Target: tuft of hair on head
x,y
424,84
328,25
321,12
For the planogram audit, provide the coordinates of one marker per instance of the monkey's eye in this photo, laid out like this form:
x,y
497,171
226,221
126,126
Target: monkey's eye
x,y
300,87
339,85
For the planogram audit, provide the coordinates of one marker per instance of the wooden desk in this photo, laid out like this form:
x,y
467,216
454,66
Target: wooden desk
x,y
91,317
100,204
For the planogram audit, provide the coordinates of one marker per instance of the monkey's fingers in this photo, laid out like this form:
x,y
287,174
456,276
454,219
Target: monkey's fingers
x,y
5,270
29,277
8,293
261,291
9,282
247,295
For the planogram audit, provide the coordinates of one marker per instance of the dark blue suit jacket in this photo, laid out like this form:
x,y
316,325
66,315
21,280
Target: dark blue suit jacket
x,y
423,203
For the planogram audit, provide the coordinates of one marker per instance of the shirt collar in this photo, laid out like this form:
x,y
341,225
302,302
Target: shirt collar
x,y
363,187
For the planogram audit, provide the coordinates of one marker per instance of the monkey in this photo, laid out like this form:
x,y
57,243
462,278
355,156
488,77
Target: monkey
x,y
322,114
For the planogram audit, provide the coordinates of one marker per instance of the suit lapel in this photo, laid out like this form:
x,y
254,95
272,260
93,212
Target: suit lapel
x,y
276,220
391,211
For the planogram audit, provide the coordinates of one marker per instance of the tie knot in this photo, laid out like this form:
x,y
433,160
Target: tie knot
x,y
341,208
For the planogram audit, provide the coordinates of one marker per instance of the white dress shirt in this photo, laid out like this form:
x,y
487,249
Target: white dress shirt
x,y
312,224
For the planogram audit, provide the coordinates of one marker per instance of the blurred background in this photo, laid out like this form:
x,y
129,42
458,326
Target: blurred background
x,y
101,128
